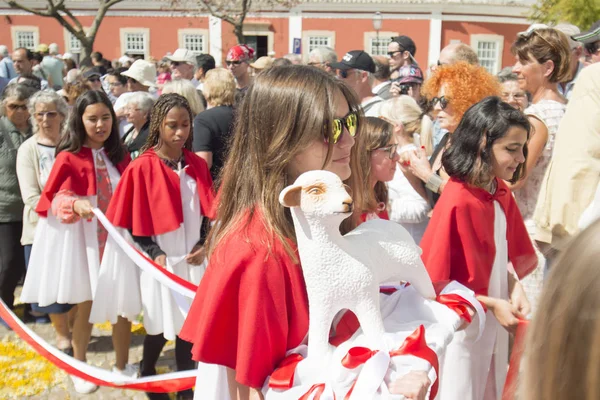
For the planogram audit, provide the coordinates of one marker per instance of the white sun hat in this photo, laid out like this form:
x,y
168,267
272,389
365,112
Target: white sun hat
x,y
142,71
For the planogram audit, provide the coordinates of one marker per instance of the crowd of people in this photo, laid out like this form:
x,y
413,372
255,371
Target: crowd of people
x,y
493,176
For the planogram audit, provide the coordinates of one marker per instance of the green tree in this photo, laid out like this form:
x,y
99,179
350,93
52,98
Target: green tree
x,y
582,13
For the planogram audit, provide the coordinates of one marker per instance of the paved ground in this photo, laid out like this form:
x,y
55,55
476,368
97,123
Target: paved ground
x,y
26,375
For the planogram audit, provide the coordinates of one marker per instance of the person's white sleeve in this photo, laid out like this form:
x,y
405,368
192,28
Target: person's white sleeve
x,y
406,205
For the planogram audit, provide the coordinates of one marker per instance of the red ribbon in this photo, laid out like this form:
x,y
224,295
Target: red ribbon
x,y
317,389
158,386
357,356
457,304
414,345
510,386
283,376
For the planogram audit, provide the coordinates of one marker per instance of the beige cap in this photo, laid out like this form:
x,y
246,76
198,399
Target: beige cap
x,y
142,71
262,63
183,56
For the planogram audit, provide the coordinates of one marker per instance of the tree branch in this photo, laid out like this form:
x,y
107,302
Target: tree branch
x,y
73,18
221,15
14,4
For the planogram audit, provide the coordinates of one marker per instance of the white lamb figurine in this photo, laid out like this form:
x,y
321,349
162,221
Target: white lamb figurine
x,y
344,272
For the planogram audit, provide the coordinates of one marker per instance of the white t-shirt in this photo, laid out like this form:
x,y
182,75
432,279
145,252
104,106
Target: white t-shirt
x,y
46,160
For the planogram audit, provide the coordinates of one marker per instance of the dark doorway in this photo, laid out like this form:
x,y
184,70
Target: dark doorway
x,y
260,44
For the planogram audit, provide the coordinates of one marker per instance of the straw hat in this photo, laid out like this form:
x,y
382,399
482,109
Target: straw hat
x,y
142,71
262,63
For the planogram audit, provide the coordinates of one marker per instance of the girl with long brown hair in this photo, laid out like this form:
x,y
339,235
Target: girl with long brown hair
x,y
161,201
69,242
378,162
251,306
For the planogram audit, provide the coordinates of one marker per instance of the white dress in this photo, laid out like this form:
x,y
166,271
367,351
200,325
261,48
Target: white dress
x,y
468,370
65,258
132,291
550,113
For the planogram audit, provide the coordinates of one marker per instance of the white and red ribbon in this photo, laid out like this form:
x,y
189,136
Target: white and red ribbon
x,y
169,279
165,383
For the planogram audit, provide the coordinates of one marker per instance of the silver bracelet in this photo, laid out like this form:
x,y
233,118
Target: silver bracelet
x,y
434,182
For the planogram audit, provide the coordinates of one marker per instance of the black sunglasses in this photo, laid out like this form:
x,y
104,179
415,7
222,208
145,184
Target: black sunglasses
x,y
442,100
592,48
13,107
93,79
233,62
391,54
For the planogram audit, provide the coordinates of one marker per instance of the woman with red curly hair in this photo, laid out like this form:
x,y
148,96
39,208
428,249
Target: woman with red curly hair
x,y
452,89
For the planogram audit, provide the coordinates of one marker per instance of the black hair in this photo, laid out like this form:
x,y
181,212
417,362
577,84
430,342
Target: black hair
x,y
96,55
74,138
161,108
37,56
117,74
28,53
469,156
206,62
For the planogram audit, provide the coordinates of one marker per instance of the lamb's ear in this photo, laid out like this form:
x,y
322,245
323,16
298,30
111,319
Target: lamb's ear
x,y
290,196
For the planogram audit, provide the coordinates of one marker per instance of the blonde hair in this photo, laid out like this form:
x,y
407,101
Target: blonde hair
x,y
185,88
546,44
562,358
376,133
267,138
219,87
405,110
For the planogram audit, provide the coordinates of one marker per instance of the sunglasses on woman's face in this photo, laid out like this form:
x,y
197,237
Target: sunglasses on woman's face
x,y
442,100
391,150
350,121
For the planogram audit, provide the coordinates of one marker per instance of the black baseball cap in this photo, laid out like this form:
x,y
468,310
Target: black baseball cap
x,y
356,59
590,36
406,44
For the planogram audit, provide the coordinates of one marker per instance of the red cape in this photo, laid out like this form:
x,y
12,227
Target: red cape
x,y
74,172
251,305
147,200
459,241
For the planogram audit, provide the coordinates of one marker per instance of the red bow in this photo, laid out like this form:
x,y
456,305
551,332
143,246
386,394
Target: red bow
x,y
283,376
457,304
414,345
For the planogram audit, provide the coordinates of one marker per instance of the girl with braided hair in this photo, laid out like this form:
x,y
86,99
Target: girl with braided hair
x,y
161,201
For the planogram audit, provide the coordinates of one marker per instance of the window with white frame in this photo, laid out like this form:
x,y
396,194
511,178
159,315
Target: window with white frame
x,y
74,44
195,40
135,43
318,41
26,39
489,50
376,44
313,39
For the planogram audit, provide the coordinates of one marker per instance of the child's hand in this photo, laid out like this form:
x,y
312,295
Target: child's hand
x,y
161,260
196,256
518,298
83,208
507,314
413,385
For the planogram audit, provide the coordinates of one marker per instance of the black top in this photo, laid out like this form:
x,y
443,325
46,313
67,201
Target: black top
x,y
431,196
212,130
136,145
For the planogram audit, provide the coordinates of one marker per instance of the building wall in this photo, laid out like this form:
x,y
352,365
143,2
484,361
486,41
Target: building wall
x,y
349,33
463,30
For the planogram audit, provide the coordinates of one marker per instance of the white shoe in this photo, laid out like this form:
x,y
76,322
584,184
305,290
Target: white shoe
x,y
130,371
82,386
